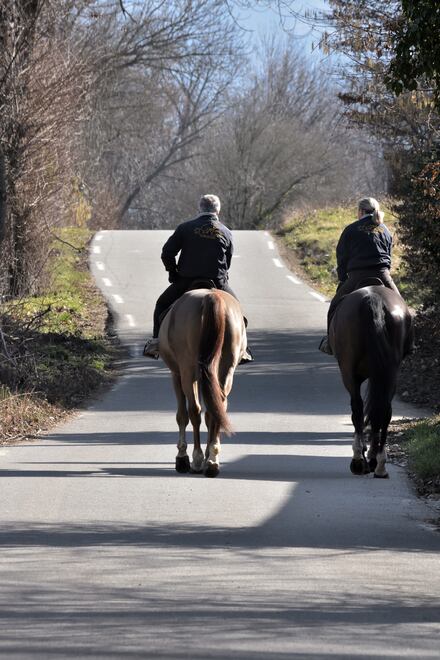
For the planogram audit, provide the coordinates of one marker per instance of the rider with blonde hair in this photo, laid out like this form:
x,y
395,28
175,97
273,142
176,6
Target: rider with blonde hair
x,y
363,252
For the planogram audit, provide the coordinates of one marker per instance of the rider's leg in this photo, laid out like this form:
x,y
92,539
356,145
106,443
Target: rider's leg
x,y
345,287
170,295
164,301
224,286
386,278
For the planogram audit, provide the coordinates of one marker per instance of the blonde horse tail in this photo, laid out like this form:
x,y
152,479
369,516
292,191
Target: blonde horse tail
x,y
211,343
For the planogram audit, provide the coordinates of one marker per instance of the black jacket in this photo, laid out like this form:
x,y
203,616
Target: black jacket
x,y
205,247
363,245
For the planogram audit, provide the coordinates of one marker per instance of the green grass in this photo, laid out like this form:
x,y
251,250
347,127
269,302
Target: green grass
x,y
58,349
313,235
423,446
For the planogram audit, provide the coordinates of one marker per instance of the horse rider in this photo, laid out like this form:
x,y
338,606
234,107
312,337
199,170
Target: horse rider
x,y
363,252
205,246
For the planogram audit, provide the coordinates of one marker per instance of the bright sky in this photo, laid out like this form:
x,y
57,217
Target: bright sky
x,y
262,21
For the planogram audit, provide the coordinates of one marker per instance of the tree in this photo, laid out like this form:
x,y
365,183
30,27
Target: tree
x,y
278,143
416,46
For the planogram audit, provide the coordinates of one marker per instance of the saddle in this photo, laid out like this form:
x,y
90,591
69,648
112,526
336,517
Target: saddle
x,y
195,284
202,284
370,281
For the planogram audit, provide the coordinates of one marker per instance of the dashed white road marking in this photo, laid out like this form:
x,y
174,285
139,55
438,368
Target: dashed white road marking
x,y
130,320
117,298
278,263
270,245
293,279
100,265
106,281
318,296
97,249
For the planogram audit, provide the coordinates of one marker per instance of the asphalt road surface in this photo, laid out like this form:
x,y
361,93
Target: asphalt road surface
x,y
107,552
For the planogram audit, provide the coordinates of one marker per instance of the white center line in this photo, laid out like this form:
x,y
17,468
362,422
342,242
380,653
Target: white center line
x,y
318,296
96,249
117,298
106,281
130,320
278,263
293,279
100,265
270,245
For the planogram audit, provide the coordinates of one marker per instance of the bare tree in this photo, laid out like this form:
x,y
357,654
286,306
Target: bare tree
x,y
280,141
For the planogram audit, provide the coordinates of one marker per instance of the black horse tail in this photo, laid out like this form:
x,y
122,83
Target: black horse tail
x,y
211,343
382,365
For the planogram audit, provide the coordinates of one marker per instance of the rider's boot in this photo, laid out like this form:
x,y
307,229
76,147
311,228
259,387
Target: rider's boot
x,y
325,347
247,356
151,348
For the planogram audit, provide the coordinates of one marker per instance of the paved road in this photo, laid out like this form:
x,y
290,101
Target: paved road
x,y
107,553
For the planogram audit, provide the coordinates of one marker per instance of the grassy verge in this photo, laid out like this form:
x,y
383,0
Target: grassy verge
x,y
424,448
55,346
313,235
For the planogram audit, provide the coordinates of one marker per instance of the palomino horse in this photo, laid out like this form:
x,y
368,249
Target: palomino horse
x,y
202,339
370,333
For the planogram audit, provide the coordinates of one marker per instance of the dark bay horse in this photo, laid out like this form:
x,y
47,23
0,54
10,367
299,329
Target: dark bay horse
x,y
370,333
202,339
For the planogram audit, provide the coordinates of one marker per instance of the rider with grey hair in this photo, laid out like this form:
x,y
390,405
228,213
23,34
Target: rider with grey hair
x,y
363,252
206,248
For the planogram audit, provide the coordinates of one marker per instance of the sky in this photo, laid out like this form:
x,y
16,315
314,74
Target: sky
x,y
262,21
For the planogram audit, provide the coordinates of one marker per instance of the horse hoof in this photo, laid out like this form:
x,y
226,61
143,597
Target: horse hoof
x,y
382,476
373,464
212,470
182,464
357,466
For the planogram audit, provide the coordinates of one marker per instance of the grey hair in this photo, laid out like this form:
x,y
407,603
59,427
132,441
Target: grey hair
x,y
209,204
371,205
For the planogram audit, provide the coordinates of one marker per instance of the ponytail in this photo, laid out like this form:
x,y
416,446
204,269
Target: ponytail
x,y
371,206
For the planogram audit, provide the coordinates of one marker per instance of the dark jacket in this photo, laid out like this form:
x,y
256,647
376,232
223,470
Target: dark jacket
x,y
363,245
205,247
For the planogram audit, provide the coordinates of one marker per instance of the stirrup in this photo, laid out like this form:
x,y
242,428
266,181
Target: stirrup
x,y
324,346
247,357
151,349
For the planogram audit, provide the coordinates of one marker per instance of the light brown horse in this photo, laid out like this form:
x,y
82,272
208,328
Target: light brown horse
x,y
370,333
202,339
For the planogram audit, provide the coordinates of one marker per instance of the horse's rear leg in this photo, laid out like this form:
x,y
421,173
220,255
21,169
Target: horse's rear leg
x,y
377,455
182,459
194,409
212,454
212,461
358,463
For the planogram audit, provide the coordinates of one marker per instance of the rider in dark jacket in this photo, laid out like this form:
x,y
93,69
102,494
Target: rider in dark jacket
x,y
206,248
363,251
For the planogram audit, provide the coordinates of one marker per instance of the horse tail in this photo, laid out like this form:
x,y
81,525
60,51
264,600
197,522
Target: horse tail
x,y
210,348
382,367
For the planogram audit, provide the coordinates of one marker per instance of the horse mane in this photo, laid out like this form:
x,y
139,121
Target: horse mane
x,y
210,348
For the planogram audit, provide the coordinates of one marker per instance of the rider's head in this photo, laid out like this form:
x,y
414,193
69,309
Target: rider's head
x,y
209,204
370,206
